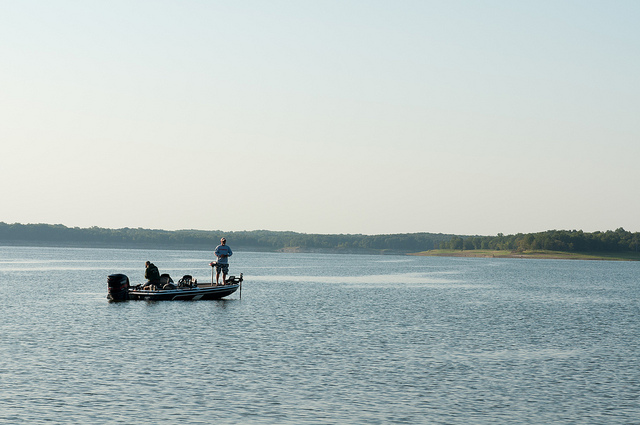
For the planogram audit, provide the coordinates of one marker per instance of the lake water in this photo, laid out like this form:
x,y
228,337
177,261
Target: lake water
x,y
320,339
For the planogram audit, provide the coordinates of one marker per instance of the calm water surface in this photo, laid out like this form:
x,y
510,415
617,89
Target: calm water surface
x,y
322,339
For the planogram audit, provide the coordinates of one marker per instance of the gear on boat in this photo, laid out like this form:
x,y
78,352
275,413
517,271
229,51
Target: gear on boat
x,y
187,281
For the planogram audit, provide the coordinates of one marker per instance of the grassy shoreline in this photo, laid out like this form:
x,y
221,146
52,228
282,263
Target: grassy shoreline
x,y
540,254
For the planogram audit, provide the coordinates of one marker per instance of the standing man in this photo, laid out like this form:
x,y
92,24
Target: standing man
x,y
223,252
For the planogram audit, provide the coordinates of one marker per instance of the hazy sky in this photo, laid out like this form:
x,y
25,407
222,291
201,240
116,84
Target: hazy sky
x,y
465,117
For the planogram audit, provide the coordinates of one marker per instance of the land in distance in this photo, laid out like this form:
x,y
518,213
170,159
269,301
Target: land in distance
x,y
539,254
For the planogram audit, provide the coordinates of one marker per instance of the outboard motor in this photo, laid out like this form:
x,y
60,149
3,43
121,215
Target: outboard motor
x,y
118,287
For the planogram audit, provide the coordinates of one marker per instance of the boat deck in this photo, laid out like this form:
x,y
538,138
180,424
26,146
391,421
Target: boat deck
x,y
210,285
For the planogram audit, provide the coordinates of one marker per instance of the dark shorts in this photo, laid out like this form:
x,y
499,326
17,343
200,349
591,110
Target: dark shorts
x,y
222,267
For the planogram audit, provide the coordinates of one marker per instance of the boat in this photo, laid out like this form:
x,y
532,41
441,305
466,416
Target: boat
x,y
187,289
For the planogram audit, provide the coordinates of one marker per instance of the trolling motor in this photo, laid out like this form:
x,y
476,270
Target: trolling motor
x,y
118,287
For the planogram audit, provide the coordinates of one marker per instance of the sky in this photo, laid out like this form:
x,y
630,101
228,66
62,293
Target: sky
x,y
354,117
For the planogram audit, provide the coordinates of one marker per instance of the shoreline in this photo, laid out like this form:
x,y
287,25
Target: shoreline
x,y
540,254
479,253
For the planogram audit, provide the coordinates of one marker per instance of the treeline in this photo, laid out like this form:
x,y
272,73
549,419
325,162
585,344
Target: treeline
x,y
60,235
619,240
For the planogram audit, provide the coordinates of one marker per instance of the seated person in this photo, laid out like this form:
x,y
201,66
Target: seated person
x,y
152,275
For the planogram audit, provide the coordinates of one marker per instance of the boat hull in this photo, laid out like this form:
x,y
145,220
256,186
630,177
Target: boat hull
x,y
184,294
